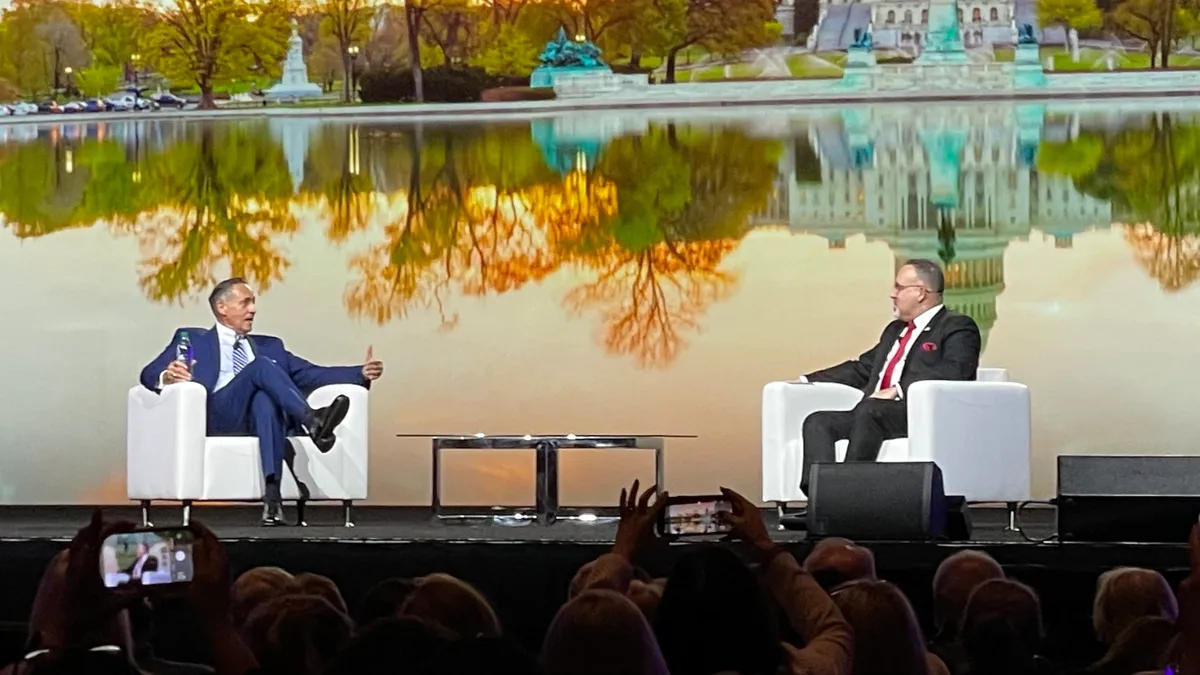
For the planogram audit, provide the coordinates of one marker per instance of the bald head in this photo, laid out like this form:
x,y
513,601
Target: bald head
x,y
835,561
953,582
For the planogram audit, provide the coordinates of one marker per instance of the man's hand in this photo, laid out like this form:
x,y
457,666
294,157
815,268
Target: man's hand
x,y
889,394
177,372
638,519
373,368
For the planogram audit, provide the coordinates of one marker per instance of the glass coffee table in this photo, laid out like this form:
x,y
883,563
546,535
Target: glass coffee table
x,y
547,448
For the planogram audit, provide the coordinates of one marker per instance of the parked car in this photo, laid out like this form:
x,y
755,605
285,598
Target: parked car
x,y
73,107
97,105
127,100
23,108
49,107
169,100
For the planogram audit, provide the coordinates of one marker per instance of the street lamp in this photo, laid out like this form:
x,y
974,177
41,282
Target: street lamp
x,y
352,50
68,70
135,59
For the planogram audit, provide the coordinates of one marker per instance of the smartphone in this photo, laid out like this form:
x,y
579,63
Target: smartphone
x,y
691,516
145,558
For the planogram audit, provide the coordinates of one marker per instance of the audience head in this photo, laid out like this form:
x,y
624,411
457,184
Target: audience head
x,y
918,286
454,604
887,637
1001,628
601,633
48,603
75,663
1129,593
378,648
1143,645
715,616
296,634
646,595
384,600
258,586
836,561
482,656
322,586
953,582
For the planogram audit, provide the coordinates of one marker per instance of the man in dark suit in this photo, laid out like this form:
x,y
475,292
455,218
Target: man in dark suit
x,y
926,341
256,386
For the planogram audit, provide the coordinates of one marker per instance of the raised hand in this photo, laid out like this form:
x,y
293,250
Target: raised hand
x,y
635,531
373,368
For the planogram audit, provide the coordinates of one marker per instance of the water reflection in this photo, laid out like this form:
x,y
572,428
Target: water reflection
x,y
645,210
652,232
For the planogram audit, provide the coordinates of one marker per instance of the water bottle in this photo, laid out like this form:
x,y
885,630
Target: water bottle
x,y
183,350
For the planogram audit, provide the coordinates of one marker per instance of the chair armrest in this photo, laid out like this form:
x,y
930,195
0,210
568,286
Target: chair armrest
x,y
353,433
165,435
785,405
977,432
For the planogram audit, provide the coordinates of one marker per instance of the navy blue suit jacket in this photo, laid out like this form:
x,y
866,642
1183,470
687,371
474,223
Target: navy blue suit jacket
x,y
206,351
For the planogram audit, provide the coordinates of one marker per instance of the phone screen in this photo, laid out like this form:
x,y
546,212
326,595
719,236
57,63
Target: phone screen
x,y
695,516
147,558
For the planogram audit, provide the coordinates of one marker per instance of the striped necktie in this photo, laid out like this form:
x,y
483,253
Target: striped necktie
x,y
239,355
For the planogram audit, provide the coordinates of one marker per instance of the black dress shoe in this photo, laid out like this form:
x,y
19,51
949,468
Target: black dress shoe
x,y
795,521
325,420
273,514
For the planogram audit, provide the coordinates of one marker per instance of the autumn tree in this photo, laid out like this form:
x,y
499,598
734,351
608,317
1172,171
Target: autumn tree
x,y
348,23
210,42
659,25
723,26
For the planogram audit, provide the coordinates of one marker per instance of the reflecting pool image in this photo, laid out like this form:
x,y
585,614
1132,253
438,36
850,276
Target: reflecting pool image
x,y
639,272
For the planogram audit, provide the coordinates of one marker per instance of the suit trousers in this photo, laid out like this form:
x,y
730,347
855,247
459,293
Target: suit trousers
x,y
866,427
263,401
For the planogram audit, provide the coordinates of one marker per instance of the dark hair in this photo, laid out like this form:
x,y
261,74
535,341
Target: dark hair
x,y
704,586
1001,628
482,656
221,290
383,601
929,272
386,642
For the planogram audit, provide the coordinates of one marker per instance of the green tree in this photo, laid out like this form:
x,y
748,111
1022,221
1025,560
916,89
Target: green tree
x,y
659,25
98,80
1077,14
209,42
510,54
723,26
348,23
113,31
1159,23
25,63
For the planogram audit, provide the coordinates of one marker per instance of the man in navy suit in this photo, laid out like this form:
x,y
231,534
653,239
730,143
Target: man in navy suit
x,y
256,386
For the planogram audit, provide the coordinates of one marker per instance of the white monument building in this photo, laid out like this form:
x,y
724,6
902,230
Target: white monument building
x,y
904,24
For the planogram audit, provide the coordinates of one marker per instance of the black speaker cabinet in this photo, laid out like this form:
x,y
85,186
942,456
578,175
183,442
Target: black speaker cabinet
x,y
898,501
1127,499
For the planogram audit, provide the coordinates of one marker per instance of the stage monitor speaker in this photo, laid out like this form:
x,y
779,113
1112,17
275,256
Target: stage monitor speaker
x,y
1127,499
898,501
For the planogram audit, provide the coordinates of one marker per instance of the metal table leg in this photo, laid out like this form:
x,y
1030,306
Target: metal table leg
x,y
660,467
436,489
547,482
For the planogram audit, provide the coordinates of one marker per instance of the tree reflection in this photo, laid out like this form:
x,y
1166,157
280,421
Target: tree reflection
x,y
1151,174
336,174
224,199
685,199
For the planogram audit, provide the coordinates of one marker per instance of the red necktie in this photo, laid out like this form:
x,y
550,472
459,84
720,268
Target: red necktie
x,y
886,380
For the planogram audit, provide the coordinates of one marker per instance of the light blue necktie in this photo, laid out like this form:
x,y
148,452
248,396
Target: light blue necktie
x,y
239,355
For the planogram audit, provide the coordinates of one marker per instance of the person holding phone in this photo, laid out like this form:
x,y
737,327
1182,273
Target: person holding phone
x,y
255,385
924,341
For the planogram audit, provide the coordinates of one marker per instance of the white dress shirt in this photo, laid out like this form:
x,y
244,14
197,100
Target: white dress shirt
x,y
226,337
920,323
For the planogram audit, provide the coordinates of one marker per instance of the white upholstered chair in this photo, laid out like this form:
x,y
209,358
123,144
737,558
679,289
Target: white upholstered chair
x,y
170,457
977,432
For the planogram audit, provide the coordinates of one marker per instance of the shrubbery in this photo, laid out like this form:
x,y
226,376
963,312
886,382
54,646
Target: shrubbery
x,y
443,84
501,94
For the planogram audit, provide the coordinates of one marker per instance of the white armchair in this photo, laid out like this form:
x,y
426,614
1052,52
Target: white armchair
x,y
977,432
170,457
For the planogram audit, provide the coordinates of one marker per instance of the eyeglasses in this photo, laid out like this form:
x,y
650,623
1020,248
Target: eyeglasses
x,y
898,287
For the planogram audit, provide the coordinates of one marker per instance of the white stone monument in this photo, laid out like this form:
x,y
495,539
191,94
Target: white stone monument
x,y
1073,41
295,84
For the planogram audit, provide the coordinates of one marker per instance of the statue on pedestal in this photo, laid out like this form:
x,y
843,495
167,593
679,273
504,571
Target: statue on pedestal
x,y
565,57
1026,36
294,84
862,38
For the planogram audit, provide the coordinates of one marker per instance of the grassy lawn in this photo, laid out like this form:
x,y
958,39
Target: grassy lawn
x,y
814,65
